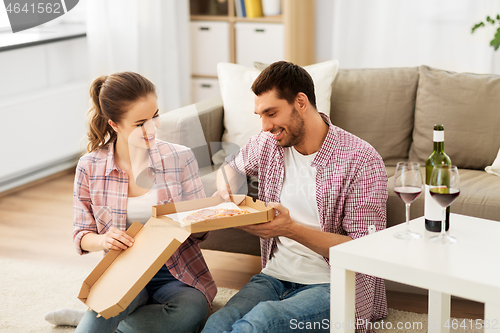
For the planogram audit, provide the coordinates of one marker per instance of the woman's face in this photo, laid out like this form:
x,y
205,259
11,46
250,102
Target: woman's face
x,y
139,125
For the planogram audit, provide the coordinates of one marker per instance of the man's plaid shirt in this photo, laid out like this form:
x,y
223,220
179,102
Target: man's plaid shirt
x,y
351,194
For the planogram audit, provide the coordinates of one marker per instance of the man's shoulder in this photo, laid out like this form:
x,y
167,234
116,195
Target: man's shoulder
x,y
264,142
351,143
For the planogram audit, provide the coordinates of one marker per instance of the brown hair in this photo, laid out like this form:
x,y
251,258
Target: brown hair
x,y
111,96
287,79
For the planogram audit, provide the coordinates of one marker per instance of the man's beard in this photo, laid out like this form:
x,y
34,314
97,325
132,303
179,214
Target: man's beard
x,y
294,131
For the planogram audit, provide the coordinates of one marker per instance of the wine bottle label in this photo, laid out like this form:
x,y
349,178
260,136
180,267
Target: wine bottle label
x,y
438,136
432,210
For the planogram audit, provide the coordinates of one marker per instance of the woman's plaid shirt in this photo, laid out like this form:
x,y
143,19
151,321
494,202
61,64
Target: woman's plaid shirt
x,y
100,202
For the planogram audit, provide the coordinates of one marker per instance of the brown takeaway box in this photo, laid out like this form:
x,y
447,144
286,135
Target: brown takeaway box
x,y
121,275
259,213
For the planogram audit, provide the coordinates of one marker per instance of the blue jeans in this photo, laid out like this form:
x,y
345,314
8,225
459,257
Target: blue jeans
x,y
266,304
164,305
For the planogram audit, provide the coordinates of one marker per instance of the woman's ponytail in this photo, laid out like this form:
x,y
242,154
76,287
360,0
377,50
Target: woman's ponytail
x,y
100,132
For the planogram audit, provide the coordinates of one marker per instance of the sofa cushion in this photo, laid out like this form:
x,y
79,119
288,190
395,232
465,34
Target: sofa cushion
x,y
240,122
479,195
469,107
377,105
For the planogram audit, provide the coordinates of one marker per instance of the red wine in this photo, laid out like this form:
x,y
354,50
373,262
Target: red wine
x,y
446,196
408,193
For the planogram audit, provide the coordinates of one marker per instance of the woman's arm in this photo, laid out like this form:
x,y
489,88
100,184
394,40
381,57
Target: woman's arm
x,y
83,220
86,237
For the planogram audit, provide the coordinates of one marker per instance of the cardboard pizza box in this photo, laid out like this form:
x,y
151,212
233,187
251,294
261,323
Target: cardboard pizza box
x,y
121,275
259,213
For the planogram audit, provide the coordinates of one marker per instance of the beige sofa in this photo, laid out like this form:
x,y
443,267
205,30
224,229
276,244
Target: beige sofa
x,y
394,109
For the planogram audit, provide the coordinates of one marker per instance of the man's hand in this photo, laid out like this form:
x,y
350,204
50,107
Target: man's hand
x,y
116,239
228,181
282,225
223,193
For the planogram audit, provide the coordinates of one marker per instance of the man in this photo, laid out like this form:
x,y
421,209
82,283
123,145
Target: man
x,y
327,186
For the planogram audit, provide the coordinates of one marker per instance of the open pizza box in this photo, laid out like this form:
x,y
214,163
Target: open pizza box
x,y
172,213
121,275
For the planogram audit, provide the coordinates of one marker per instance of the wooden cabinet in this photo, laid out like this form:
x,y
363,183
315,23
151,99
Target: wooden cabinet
x,y
219,35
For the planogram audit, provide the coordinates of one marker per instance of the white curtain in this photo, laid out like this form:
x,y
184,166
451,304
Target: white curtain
x,y
148,37
397,33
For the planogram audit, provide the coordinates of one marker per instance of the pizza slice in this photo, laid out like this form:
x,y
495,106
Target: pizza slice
x,y
212,213
224,212
201,215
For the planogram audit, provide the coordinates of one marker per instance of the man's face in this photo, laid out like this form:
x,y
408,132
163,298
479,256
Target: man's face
x,y
280,119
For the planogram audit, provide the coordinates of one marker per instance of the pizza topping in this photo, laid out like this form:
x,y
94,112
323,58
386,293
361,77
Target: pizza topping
x,y
207,214
231,212
203,214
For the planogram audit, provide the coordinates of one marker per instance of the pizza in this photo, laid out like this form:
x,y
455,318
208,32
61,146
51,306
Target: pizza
x,y
212,213
200,215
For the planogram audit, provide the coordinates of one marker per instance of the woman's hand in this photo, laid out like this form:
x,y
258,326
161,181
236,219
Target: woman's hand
x,y
116,239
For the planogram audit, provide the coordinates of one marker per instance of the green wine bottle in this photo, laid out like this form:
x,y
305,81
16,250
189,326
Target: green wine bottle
x,y
433,212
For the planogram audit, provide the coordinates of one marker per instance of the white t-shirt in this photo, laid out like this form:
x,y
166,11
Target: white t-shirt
x,y
292,261
139,208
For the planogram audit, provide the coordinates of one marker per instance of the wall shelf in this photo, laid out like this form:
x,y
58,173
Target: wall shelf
x,y
220,43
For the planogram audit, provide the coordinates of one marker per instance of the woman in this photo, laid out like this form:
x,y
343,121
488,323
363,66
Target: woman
x,y
125,173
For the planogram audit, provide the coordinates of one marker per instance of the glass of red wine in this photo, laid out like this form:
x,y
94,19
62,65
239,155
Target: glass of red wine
x,y
408,186
444,186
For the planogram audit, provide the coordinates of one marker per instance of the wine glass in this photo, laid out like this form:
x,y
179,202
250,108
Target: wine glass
x,y
444,187
408,186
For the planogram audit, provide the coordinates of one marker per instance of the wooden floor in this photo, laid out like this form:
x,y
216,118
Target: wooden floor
x,y
36,225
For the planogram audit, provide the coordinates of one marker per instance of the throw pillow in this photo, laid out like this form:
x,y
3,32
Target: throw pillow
x,y
377,105
495,167
240,122
467,105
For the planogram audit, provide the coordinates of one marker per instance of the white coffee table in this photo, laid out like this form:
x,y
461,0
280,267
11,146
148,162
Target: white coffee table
x,y
469,268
